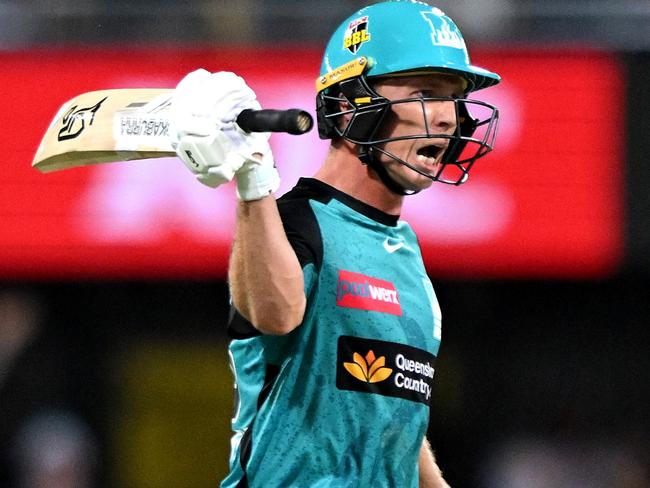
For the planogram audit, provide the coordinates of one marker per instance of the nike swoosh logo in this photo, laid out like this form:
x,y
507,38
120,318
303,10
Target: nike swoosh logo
x,y
391,248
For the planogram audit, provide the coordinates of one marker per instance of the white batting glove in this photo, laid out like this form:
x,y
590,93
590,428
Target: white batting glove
x,y
207,139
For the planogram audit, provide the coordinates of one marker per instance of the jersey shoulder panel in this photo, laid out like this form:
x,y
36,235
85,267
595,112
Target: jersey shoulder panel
x,y
300,224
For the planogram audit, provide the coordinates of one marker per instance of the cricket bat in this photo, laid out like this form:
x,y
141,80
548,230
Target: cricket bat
x,y
129,124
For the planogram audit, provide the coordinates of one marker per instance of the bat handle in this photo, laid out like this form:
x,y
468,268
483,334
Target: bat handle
x,y
293,121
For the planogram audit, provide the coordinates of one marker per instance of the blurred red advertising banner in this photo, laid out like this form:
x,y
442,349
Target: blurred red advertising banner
x,y
547,203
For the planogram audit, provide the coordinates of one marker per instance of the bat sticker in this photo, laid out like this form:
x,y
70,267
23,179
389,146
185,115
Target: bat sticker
x,y
74,121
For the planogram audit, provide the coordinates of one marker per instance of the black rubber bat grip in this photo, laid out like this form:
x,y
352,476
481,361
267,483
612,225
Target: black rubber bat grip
x,y
293,121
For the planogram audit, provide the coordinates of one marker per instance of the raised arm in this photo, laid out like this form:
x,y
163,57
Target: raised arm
x,y
266,281
265,276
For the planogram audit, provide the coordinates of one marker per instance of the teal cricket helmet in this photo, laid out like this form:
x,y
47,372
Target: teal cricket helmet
x,y
402,37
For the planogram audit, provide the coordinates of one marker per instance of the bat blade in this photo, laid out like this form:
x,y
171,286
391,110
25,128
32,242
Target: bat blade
x,y
107,126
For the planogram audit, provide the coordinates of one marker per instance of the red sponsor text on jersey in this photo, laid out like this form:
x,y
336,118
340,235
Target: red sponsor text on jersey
x,y
356,290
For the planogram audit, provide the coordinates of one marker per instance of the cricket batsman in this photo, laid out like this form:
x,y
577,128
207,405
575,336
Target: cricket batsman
x,y
335,325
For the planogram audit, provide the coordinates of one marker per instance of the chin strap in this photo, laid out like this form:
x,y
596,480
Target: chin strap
x,y
367,156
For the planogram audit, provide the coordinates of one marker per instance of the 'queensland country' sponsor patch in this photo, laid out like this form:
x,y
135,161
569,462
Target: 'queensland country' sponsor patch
x,y
355,290
384,368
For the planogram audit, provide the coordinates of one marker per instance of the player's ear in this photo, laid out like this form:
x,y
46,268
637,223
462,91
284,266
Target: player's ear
x,y
345,108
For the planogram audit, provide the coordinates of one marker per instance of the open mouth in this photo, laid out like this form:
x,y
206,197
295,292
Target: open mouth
x,y
430,155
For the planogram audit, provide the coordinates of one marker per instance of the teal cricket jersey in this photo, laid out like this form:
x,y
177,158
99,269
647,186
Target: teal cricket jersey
x,y
343,400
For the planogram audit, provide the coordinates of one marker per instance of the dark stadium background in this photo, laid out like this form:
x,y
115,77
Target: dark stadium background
x,y
118,372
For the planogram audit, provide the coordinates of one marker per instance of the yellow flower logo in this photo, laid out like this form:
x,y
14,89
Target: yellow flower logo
x,y
368,369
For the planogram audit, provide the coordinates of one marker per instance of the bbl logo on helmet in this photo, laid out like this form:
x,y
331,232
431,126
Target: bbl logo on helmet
x,y
356,34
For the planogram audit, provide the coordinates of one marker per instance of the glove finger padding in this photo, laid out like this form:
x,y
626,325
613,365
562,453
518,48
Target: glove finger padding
x,y
246,143
206,137
216,97
196,151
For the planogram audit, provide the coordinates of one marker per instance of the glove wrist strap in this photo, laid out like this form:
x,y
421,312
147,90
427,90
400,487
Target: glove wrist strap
x,y
257,180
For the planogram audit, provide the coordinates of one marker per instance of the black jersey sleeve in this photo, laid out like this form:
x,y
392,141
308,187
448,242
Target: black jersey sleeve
x,y
239,327
302,229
